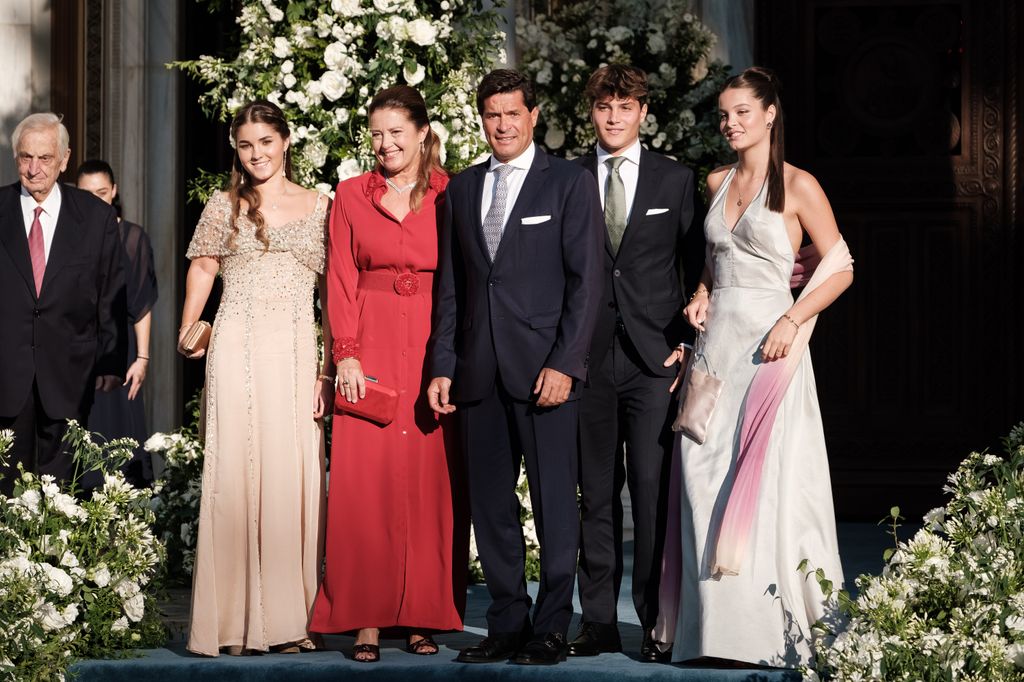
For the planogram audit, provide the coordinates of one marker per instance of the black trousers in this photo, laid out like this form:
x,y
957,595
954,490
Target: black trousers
x,y
623,405
498,434
38,444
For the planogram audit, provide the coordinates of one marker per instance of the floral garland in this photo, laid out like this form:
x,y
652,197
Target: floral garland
x,y
322,62
949,604
559,52
76,576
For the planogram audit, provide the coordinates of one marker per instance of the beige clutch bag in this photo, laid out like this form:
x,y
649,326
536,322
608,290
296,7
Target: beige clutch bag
x,y
697,405
197,337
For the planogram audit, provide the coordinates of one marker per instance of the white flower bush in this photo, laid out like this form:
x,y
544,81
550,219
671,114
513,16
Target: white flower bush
x,y
949,604
476,571
322,62
561,50
176,494
76,576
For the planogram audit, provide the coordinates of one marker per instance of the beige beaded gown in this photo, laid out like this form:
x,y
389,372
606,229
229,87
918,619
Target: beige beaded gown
x,y
261,516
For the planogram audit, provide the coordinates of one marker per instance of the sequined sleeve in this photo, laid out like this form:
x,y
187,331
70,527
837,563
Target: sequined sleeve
x,y
214,229
309,247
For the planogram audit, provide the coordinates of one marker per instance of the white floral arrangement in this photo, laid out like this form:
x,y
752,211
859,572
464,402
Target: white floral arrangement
x,y
322,62
476,571
949,604
76,576
177,492
561,50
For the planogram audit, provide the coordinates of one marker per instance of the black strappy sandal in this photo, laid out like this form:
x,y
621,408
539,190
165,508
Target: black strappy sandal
x,y
372,649
423,647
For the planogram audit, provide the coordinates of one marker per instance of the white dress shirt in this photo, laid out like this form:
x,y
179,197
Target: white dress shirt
x,y
47,219
520,167
629,170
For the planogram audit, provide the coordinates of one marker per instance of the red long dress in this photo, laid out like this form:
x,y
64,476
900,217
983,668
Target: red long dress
x,y
397,529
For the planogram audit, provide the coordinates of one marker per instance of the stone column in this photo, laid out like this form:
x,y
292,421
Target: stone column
x,y
25,87
141,139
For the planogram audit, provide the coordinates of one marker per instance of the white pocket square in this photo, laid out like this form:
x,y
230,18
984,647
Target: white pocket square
x,y
656,211
536,219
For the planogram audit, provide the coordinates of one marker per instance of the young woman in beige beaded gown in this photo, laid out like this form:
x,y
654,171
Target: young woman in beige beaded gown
x,y
261,517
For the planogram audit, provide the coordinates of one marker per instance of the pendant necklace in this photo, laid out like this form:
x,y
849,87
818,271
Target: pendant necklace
x,y
399,190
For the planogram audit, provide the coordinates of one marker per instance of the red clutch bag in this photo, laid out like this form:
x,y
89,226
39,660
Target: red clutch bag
x,y
379,405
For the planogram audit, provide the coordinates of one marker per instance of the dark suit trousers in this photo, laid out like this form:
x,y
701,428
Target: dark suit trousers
x,y
623,405
37,444
499,432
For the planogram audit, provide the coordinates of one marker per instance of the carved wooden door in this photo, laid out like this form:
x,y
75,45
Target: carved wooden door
x,y
908,113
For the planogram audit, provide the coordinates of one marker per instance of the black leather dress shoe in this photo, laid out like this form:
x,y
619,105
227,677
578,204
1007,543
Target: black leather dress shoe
x,y
650,653
594,639
491,649
543,650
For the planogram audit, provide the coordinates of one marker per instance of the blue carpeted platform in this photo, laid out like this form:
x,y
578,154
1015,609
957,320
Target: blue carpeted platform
x,y
861,546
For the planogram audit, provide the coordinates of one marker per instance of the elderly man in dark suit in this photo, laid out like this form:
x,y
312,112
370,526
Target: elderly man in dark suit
x,y
648,208
62,284
520,269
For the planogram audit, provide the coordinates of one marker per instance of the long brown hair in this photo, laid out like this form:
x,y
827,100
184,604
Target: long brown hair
x,y
259,111
408,99
766,86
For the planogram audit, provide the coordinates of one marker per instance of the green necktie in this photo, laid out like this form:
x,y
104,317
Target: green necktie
x,y
615,202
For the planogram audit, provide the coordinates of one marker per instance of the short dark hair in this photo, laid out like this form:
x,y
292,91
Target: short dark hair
x,y
500,81
617,81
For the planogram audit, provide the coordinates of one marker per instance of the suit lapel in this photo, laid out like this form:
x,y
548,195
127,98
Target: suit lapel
x,y
591,164
66,237
476,195
12,234
646,186
531,186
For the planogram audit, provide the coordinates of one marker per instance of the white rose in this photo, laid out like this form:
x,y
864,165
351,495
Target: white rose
x,y
346,8
282,48
289,80
69,559
334,54
287,66
57,580
421,32
416,77
333,85
397,26
554,138
382,5
341,115
101,575
29,500
316,152
157,442
349,168
119,625
49,487
324,188
126,588
49,617
274,12
135,607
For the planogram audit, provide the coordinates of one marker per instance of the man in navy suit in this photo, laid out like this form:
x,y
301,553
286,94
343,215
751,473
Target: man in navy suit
x,y
520,278
627,404
61,296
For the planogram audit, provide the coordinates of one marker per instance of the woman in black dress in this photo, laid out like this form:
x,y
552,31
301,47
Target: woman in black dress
x,y
121,413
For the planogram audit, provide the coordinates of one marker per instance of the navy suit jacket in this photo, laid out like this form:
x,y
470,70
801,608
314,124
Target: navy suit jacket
x,y
75,329
643,281
535,306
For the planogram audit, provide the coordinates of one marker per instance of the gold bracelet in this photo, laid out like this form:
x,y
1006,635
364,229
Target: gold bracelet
x,y
795,323
698,292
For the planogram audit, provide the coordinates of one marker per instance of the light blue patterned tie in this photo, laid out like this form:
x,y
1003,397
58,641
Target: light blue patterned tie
x,y
494,222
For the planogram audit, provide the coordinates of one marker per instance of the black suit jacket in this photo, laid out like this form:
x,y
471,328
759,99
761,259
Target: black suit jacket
x,y
643,282
71,332
536,305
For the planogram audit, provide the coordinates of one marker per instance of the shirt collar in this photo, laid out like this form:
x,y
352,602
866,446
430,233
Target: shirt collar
x,y
51,204
523,161
632,153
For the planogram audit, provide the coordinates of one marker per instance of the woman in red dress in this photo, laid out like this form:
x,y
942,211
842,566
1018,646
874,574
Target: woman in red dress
x,y
397,532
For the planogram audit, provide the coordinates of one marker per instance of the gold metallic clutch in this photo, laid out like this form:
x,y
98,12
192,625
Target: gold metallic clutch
x,y
197,337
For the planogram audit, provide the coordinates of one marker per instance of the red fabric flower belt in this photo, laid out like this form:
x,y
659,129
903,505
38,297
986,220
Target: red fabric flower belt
x,y
401,283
